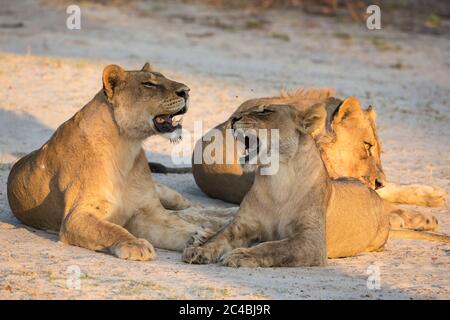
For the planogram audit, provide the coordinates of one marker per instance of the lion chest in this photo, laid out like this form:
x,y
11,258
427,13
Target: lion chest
x,y
122,204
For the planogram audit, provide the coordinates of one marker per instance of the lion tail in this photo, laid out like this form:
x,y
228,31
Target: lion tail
x,y
160,168
419,235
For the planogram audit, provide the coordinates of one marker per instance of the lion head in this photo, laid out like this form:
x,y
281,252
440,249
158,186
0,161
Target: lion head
x,y
145,102
350,146
348,138
291,124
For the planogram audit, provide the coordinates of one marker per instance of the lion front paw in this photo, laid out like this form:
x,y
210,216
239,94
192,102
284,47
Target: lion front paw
x,y
178,203
240,257
136,249
200,237
181,204
199,255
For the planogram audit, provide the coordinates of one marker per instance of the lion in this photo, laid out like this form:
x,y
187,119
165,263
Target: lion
x,y
90,181
298,216
350,148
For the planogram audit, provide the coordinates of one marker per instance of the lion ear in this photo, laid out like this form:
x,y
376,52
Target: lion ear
x,y
146,67
372,114
349,108
113,75
312,121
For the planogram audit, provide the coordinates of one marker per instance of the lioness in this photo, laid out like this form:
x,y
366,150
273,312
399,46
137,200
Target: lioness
x,y
91,183
350,148
298,216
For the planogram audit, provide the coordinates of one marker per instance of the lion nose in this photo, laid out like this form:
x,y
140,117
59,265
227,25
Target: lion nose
x,y
183,92
379,184
380,180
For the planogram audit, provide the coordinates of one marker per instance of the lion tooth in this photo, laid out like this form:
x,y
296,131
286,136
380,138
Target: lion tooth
x,y
177,119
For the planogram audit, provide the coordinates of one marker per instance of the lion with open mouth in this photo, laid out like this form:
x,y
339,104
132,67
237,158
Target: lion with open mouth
x,y
90,181
297,216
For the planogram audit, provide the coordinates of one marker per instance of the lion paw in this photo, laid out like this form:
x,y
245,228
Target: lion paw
x,y
423,222
396,221
199,255
240,257
413,220
200,237
182,204
136,249
432,196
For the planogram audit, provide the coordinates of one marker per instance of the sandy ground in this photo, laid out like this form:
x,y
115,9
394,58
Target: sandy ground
x,y
48,72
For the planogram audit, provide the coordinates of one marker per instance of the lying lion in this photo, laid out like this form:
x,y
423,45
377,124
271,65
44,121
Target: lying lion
x,y
91,183
350,148
298,216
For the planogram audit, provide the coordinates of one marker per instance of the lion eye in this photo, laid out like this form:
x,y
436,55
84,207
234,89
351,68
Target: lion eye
x,y
265,112
149,84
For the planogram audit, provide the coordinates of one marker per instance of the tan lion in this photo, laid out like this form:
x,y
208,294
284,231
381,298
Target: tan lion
x,y
298,216
350,148
91,183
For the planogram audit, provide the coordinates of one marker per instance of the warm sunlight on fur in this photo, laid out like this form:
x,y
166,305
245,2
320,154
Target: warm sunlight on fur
x,y
91,183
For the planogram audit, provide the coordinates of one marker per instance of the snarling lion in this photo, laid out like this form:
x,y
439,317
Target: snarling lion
x,y
350,148
298,216
90,181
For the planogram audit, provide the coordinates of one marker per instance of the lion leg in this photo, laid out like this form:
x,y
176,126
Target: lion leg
x,y
152,221
409,219
213,218
304,245
86,230
171,199
236,234
166,230
416,194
